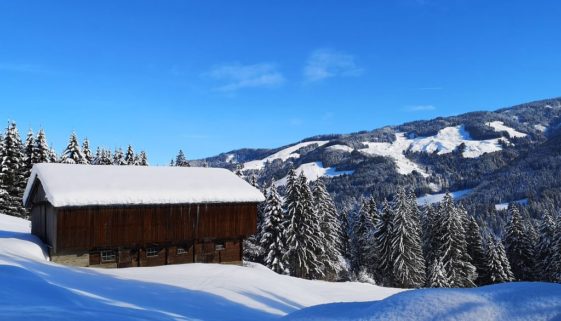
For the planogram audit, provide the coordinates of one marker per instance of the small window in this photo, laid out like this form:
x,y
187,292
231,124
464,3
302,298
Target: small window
x,y
219,246
181,250
152,251
108,256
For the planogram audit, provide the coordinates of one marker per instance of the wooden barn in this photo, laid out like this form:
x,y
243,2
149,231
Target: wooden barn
x,y
123,216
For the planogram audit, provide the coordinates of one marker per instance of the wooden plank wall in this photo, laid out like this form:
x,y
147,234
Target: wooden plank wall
x,y
111,227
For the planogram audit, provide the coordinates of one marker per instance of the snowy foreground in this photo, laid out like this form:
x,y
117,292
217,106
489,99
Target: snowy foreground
x,y
32,288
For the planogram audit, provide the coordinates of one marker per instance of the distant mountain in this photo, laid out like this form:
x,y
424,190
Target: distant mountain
x,y
487,158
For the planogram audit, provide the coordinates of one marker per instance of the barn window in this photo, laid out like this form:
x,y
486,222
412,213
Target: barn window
x,y
108,256
152,251
181,250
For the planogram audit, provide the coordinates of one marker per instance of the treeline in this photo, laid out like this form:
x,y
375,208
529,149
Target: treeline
x,y
17,158
397,243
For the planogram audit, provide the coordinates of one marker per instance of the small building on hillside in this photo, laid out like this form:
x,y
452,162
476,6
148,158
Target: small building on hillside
x,y
124,216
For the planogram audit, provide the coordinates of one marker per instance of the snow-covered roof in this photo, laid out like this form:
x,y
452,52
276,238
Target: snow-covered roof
x,y
81,185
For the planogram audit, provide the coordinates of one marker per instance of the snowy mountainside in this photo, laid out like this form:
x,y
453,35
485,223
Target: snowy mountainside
x,y
477,151
35,289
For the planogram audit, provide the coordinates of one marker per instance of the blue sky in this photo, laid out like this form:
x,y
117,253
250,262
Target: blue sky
x,y
212,76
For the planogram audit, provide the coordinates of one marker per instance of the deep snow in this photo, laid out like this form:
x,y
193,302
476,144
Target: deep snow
x,y
524,301
437,198
313,171
75,185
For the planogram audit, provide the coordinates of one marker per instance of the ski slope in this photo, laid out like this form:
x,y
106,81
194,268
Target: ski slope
x,y
35,289
499,126
437,198
313,171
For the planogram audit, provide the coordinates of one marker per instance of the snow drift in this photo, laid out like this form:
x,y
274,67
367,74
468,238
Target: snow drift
x,y
502,302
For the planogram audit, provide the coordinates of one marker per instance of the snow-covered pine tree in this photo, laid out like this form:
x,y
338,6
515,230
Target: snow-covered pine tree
x,y
119,157
494,264
331,229
346,235
181,160
130,157
303,233
407,254
545,247
12,173
272,233
86,151
142,159
253,181
430,234
29,150
436,277
383,245
518,245
239,170
504,260
53,158
73,154
42,151
555,264
104,158
362,230
475,248
452,245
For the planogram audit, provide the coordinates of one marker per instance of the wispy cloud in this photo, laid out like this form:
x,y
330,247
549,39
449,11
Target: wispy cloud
x,y
237,76
416,108
329,63
25,68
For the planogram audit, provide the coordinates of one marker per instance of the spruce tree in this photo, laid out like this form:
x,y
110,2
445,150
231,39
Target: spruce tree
x,y
504,260
181,160
73,154
436,277
42,151
383,245
12,173
452,245
87,152
555,263
409,264
363,229
331,229
518,246
30,150
272,233
130,157
119,157
545,247
53,158
475,248
142,159
303,233
495,269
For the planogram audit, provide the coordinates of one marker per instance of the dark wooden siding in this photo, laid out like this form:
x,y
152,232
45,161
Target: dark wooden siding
x,y
84,228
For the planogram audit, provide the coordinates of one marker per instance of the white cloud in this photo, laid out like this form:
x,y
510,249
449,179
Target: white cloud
x,y
420,108
237,76
328,63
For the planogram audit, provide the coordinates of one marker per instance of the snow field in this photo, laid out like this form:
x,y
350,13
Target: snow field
x,y
285,154
313,171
